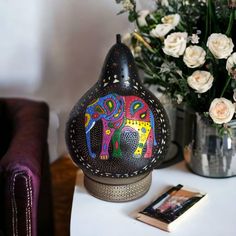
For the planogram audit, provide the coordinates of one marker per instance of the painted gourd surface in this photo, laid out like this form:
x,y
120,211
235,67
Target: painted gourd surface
x,y
121,114
118,128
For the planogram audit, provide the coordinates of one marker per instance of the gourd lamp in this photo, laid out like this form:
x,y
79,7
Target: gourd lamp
x,y
118,131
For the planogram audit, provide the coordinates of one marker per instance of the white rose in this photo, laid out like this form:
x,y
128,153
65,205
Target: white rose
x,y
194,56
221,110
171,20
142,17
165,3
175,44
220,45
127,5
161,30
201,81
231,64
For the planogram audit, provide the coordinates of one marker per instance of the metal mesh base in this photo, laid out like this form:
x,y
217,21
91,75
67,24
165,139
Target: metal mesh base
x,y
118,193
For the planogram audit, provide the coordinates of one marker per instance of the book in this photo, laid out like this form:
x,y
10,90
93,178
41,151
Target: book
x,y
171,207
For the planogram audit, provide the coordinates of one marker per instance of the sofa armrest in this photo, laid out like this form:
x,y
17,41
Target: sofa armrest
x,y
22,165
29,124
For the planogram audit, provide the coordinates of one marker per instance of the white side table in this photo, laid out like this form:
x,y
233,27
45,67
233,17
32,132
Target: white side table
x,y
214,217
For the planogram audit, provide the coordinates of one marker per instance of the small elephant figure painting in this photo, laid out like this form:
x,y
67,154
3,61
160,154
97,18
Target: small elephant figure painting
x,y
119,114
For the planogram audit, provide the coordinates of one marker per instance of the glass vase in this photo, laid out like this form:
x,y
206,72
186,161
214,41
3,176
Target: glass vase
x,y
209,154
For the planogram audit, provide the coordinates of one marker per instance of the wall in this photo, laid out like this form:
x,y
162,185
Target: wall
x,y
20,47
53,50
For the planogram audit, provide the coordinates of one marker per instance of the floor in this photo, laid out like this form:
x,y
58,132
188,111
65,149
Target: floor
x,y
63,173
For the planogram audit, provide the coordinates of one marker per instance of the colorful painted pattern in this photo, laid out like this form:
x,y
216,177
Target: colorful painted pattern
x,y
119,113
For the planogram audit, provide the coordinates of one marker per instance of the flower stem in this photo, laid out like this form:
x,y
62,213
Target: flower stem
x,y
211,19
225,87
210,16
207,22
230,25
141,40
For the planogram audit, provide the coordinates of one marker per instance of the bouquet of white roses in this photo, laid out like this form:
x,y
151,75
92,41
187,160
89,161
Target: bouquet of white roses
x,y
187,48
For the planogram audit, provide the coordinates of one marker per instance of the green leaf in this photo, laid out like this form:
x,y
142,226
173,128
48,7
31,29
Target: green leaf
x,y
132,16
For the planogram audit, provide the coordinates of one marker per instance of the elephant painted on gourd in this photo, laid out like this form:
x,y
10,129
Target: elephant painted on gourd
x,y
119,113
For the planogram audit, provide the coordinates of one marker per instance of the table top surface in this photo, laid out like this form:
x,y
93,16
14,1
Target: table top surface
x,y
214,217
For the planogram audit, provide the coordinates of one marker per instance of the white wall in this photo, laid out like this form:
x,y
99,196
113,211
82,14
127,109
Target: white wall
x,y
20,47
54,49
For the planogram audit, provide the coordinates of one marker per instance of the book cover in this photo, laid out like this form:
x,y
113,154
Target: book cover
x,y
168,209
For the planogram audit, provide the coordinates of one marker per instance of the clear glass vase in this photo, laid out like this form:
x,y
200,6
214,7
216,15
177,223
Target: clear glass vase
x,y
209,154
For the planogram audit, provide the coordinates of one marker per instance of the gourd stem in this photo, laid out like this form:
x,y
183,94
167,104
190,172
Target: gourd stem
x,y
118,38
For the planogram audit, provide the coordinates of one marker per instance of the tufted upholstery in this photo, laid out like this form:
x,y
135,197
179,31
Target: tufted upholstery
x,y
25,193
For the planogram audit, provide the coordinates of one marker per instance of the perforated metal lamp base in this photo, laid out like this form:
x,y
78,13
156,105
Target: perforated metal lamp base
x,y
120,190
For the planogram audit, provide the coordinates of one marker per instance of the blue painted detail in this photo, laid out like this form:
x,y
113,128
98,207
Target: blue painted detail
x,y
153,127
132,107
143,130
104,147
91,154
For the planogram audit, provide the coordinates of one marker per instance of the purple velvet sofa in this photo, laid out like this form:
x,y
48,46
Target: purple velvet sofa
x,y
25,186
